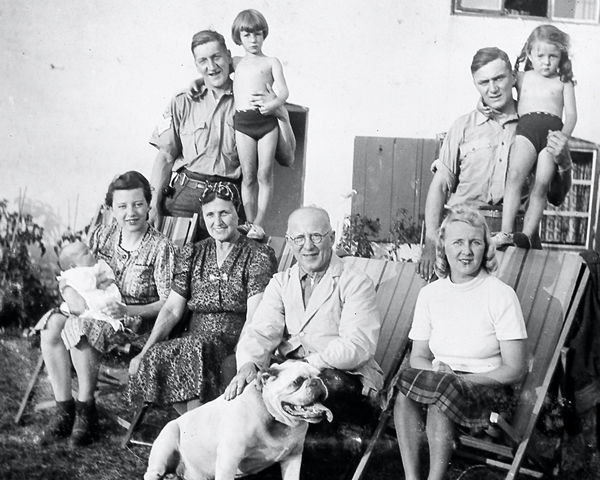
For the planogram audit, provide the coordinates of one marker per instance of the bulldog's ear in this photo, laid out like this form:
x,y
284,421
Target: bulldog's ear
x,y
263,376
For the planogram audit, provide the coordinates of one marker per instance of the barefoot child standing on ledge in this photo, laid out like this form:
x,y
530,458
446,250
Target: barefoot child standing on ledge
x,y
256,131
546,89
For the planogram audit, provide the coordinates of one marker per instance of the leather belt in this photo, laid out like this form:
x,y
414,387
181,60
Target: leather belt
x,y
185,181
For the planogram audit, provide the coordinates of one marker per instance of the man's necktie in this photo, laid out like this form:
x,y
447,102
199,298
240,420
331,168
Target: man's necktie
x,y
307,287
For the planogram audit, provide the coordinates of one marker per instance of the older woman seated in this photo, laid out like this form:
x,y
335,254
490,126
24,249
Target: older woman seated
x,y
468,346
221,279
143,261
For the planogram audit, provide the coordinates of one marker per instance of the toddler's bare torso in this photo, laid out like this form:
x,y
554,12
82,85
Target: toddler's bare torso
x,y
252,75
540,94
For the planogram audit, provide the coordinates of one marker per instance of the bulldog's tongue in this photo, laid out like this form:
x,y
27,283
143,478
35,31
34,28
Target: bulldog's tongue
x,y
322,409
313,411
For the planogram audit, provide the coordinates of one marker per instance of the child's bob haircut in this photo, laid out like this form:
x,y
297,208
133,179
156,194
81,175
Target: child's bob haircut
x,y
249,21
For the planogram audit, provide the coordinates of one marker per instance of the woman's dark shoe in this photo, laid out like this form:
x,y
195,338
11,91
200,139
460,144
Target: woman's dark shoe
x,y
86,424
62,424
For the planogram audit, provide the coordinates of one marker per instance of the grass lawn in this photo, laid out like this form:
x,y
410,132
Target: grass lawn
x,y
22,458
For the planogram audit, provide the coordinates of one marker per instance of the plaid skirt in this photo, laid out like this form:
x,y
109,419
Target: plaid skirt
x,y
464,402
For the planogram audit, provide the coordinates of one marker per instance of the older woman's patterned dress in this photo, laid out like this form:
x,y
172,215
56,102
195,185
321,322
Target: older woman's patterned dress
x,y
143,276
190,367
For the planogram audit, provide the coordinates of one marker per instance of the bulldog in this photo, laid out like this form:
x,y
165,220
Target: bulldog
x,y
264,425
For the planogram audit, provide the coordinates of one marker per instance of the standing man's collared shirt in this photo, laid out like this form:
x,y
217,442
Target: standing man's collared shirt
x,y
474,157
199,134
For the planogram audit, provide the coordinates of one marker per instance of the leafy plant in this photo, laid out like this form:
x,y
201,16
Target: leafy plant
x,y
404,229
69,236
359,232
23,296
357,235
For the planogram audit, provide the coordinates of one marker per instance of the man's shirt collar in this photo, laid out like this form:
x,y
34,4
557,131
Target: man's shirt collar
x,y
204,89
501,119
315,278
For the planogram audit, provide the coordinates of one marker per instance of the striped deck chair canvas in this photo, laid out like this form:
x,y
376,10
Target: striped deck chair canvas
x,y
550,286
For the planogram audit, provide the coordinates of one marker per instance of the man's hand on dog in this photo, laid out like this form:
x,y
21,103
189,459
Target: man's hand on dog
x,y
245,375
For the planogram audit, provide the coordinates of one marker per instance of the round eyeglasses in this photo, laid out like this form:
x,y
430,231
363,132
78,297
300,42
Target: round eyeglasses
x,y
315,238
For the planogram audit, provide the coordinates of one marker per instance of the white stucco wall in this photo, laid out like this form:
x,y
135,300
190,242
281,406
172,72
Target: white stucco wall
x,y
82,84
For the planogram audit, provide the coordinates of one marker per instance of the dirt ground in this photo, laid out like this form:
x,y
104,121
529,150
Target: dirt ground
x,y
23,458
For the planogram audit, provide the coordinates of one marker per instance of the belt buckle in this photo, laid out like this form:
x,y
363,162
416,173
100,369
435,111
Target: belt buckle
x,y
182,178
185,180
199,183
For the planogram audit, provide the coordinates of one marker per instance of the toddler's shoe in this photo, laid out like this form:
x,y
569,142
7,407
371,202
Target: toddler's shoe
x,y
522,240
256,233
244,228
502,240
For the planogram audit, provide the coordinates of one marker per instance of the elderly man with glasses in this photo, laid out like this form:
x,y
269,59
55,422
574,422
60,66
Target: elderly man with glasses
x,y
321,311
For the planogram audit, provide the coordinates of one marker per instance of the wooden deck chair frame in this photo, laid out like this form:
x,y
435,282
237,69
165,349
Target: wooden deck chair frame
x,y
397,287
283,253
179,230
550,286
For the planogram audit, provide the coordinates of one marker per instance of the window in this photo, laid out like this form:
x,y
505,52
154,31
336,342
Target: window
x,y
573,222
581,11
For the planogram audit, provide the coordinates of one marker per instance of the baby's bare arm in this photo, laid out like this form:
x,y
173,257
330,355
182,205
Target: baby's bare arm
x,y
76,303
103,282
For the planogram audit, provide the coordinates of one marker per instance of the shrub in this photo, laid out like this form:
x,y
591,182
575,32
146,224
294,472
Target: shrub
x,y
357,235
23,296
360,238
404,229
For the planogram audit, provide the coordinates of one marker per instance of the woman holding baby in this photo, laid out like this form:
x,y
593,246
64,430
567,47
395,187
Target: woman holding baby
x,y
142,261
